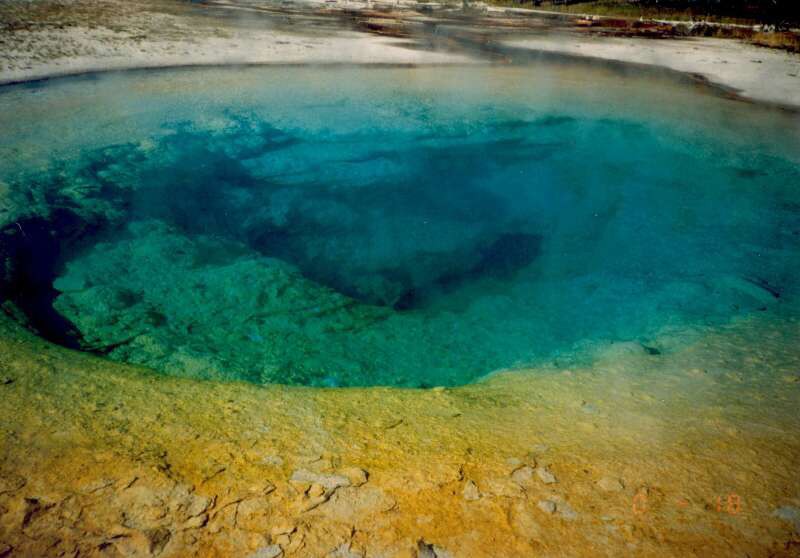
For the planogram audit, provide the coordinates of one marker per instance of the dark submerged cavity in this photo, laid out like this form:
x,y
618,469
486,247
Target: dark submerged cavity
x,y
31,253
202,184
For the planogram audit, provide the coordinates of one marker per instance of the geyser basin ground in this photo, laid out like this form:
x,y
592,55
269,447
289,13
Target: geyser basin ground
x,y
646,451
390,226
677,439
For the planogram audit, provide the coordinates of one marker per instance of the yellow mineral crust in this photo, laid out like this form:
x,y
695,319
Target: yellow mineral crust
x,y
693,452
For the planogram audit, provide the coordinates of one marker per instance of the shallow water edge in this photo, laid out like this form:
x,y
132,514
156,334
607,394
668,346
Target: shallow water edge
x,y
639,449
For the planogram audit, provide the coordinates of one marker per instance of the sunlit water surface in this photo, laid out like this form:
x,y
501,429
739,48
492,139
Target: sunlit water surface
x,y
390,226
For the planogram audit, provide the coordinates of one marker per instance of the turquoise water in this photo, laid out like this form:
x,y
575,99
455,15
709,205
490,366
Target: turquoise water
x,y
382,226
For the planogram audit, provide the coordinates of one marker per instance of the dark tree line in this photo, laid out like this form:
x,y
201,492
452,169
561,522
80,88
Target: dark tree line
x,y
765,10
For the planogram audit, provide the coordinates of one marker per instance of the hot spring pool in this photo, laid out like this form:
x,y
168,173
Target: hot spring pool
x,y
389,226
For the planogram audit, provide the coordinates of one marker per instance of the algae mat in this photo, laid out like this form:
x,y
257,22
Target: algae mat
x,y
691,453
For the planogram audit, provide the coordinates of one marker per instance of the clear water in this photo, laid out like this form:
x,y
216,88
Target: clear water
x,y
391,226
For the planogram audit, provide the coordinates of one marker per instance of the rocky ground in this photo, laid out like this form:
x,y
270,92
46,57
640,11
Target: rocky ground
x,y
686,454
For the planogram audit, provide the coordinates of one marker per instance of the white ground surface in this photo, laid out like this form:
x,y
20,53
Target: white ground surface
x,y
85,35
754,72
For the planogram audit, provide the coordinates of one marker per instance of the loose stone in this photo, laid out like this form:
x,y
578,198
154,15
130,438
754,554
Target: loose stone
x,y
610,484
545,475
547,506
328,482
196,522
566,511
471,492
355,475
523,475
282,529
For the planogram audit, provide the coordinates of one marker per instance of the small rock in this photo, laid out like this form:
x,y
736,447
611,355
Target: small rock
x,y
316,490
523,475
547,506
196,522
356,475
610,484
312,503
284,528
566,511
545,475
271,551
199,504
5,380
471,492
504,487
282,540
5,550
328,482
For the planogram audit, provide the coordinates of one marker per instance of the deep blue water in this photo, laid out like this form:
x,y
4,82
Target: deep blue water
x,y
344,227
